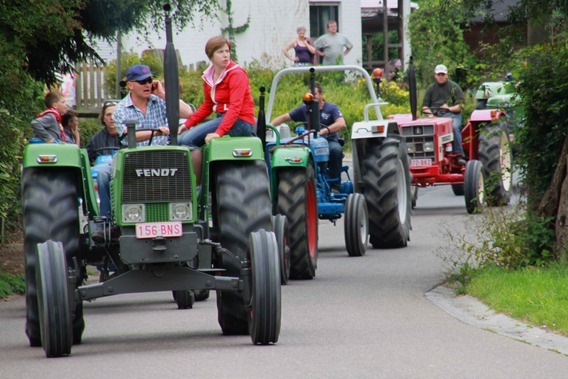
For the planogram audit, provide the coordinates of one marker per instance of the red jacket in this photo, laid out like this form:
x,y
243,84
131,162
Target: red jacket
x,y
231,95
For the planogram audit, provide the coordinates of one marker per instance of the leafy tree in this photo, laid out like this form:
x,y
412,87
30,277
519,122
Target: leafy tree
x,y
436,32
54,35
41,38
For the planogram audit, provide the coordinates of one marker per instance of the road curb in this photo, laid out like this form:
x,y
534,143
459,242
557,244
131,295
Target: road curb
x,y
473,312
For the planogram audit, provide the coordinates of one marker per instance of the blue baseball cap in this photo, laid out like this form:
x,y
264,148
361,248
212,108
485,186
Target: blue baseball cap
x,y
138,72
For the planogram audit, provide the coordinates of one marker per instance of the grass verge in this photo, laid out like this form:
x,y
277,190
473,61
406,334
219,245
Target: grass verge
x,y
536,295
10,284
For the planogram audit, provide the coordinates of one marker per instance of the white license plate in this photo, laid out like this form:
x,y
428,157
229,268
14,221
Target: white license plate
x,y
420,162
162,229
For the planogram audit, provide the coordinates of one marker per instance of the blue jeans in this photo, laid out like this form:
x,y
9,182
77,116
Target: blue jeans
x,y
195,137
103,181
457,144
334,164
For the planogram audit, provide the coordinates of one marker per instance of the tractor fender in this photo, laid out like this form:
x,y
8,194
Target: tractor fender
x,y
373,129
65,157
486,115
235,148
294,155
52,155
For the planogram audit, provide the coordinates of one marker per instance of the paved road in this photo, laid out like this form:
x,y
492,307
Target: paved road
x,y
362,317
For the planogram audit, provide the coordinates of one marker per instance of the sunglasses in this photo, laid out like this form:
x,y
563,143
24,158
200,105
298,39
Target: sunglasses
x,y
145,81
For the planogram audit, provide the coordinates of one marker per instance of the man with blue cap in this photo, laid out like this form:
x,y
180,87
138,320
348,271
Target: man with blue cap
x,y
146,103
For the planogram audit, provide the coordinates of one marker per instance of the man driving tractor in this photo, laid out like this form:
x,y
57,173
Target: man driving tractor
x,y
444,98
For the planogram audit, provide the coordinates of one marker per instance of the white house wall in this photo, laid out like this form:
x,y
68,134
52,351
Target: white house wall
x,y
272,25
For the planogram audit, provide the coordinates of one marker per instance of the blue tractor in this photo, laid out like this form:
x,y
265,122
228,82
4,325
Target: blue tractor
x,y
302,190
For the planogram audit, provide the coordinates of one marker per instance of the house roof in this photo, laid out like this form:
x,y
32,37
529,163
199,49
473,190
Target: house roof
x,y
499,10
371,8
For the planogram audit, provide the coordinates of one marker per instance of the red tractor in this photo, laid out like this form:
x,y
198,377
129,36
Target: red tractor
x,y
487,176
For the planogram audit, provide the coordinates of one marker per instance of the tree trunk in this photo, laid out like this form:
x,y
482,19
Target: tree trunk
x,y
555,203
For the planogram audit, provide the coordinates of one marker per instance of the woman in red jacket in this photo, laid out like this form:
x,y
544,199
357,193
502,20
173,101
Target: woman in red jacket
x,y
227,92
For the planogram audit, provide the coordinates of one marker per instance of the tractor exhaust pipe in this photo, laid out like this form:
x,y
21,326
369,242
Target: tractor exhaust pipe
x,y
171,77
261,121
412,89
313,106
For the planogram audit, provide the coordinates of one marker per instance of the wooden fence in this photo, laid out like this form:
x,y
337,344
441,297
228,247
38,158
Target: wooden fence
x,y
90,93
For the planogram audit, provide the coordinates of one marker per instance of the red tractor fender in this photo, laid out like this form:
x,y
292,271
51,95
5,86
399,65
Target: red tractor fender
x,y
469,132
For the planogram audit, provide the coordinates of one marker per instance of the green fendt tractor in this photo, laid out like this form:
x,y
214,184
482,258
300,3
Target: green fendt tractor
x,y
163,235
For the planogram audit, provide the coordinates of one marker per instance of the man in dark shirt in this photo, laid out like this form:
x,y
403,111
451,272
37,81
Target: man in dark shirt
x,y
445,98
107,137
331,122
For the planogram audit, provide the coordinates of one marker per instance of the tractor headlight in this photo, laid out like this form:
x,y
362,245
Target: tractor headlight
x,y
411,148
181,211
428,147
133,213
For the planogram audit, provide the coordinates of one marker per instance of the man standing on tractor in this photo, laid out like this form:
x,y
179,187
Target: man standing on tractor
x,y
331,122
444,98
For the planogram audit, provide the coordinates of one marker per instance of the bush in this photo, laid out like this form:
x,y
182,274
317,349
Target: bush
x,y
510,238
10,284
543,91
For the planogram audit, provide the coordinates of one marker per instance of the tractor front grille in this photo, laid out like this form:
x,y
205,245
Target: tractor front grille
x,y
157,176
417,137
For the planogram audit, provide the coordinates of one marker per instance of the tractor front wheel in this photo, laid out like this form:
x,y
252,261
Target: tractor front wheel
x,y
265,303
356,225
281,231
54,300
474,191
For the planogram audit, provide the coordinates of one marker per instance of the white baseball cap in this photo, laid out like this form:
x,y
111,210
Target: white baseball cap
x,y
441,69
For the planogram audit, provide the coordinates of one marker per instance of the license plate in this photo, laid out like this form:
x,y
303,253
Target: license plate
x,y
420,162
161,229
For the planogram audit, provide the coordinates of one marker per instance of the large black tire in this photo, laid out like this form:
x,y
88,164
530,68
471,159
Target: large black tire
x,y
458,189
50,212
243,206
265,307
495,155
282,232
53,300
474,191
413,196
201,295
297,200
356,225
184,298
387,191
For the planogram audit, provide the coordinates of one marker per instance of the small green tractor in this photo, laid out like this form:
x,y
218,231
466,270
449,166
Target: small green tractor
x,y
163,234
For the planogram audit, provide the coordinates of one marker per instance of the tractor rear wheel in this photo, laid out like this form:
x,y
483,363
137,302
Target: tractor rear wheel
x,y
184,298
265,306
387,192
474,191
495,155
298,201
356,225
50,212
413,195
243,206
53,300
458,189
